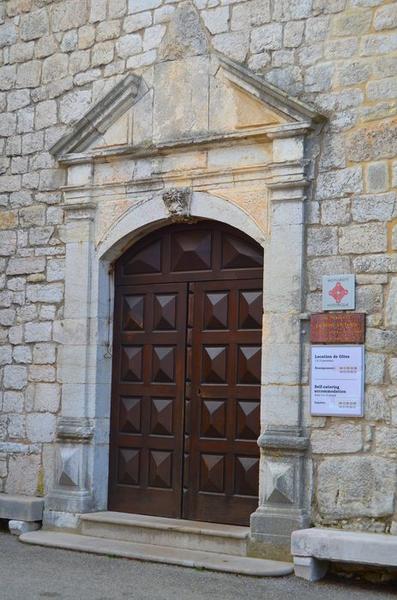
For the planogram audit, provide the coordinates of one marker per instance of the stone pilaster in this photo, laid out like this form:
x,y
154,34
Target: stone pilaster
x,y
284,500
72,492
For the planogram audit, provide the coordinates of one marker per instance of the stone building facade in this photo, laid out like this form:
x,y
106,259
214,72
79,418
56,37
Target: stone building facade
x,y
275,117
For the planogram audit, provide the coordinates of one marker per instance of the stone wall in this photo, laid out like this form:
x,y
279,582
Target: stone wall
x,y
58,57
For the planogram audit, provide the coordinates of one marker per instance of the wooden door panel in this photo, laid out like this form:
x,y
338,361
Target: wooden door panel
x,y
147,403
224,402
186,375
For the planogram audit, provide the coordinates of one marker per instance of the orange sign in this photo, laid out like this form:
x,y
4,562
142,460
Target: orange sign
x,y
337,328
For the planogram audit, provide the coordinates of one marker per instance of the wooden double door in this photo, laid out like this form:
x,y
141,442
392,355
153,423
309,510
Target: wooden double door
x,y
186,375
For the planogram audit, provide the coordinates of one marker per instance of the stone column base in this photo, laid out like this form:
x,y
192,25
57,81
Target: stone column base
x,y
69,501
53,519
271,530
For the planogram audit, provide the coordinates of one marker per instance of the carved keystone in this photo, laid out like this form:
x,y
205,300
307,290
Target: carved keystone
x,y
177,202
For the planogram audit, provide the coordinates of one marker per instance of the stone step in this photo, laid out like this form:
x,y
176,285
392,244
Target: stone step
x,y
160,554
160,531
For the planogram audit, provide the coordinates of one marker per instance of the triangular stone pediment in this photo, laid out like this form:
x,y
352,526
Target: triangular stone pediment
x,y
192,94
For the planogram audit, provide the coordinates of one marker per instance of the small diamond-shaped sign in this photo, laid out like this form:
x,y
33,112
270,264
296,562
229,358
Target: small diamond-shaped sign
x,y
338,292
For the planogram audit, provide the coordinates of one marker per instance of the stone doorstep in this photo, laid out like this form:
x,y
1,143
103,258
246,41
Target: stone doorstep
x,y
161,531
313,548
173,556
21,508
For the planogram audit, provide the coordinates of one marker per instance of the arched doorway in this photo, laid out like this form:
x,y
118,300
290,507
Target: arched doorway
x,y
186,375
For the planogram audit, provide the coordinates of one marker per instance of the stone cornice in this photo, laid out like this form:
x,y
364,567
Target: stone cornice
x,y
99,118
265,134
284,438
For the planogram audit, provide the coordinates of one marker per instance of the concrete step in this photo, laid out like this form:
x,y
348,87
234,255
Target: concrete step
x,y
160,531
173,556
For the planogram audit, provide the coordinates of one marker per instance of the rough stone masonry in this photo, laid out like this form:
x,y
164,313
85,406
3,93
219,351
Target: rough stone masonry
x,y
59,57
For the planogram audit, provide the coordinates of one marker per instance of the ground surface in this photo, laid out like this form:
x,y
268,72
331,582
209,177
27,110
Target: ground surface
x,y
38,573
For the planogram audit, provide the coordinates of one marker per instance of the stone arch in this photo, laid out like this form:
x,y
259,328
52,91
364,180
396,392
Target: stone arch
x,y
151,214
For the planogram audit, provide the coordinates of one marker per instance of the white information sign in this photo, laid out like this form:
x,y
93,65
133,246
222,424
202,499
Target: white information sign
x,y
337,381
339,292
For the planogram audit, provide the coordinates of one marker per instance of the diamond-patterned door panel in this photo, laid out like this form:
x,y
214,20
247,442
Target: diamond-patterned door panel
x,y
247,420
161,418
129,466
131,363
163,365
240,254
133,313
164,312
130,412
212,473
249,364
191,251
214,364
225,401
216,310
148,260
250,309
213,418
246,475
146,450
160,469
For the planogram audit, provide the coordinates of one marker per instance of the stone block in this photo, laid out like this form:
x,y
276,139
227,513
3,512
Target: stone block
x,y
55,67
102,54
309,568
47,397
363,239
136,6
391,305
13,402
34,25
322,241
108,30
336,212
344,438
8,34
185,105
293,34
216,19
137,21
74,105
385,17
152,37
377,177
21,508
20,527
40,427
15,377
69,41
22,266
234,44
69,14
267,37
5,355
355,486
128,45
38,332
336,184
374,368
23,473
373,142
28,74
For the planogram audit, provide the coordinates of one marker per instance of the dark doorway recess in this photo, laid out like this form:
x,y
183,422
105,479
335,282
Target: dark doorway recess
x,y
186,375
